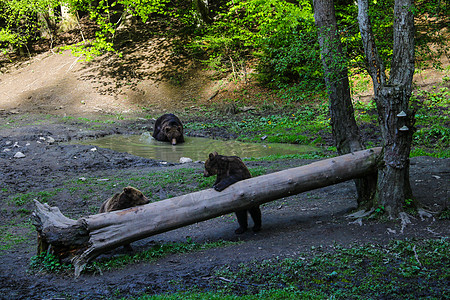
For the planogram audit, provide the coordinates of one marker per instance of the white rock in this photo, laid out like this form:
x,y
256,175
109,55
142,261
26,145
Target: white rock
x,y
93,149
19,155
50,140
184,160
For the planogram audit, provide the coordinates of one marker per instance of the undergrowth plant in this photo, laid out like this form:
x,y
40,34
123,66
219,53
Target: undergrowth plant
x,y
409,267
48,263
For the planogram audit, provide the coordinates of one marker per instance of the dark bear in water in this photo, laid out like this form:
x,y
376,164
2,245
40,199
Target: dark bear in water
x,y
229,170
168,128
129,197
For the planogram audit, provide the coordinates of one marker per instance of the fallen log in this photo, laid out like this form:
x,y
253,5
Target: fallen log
x,y
88,237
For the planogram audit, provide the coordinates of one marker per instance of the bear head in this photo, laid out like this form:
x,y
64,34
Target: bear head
x,y
212,165
133,197
173,133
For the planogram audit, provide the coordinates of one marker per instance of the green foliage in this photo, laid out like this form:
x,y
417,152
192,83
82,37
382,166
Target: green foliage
x,y
280,33
48,263
298,126
313,155
24,199
158,251
9,234
432,121
105,14
359,272
279,294
295,128
20,23
431,29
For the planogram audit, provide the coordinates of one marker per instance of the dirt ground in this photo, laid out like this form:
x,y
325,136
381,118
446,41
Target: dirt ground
x,y
34,92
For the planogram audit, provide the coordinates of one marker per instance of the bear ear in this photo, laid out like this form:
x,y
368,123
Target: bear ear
x,y
127,189
211,155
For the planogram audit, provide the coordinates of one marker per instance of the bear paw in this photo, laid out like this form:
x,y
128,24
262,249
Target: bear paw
x,y
240,230
256,228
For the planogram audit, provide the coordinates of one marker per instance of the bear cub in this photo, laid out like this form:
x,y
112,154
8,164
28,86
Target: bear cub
x,y
168,128
229,170
129,197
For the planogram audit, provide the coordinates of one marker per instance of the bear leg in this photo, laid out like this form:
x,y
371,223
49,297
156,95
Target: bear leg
x,y
242,220
255,213
224,183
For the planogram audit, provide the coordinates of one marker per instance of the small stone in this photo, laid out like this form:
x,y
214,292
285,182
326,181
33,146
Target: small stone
x,y
184,160
50,140
19,155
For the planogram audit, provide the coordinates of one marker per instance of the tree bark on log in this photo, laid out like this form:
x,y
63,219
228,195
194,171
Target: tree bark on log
x,y
88,237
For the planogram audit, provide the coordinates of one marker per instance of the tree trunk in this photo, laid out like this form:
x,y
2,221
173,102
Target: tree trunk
x,y
202,10
69,19
392,99
90,236
345,130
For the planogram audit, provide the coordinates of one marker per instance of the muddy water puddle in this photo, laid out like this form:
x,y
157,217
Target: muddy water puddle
x,y
195,148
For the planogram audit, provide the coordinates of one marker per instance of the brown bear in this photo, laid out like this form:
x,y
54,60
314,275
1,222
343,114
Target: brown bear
x,y
168,128
229,170
129,197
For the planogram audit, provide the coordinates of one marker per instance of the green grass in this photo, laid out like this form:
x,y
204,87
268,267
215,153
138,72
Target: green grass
x,y
296,127
269,294
48,263
13,233
419,268
408,269
26,198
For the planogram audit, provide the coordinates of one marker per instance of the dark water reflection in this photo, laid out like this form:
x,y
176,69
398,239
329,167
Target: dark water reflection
x,y
194,147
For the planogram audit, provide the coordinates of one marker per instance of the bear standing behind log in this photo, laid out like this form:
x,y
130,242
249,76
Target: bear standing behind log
x,y
229,170
168,128
129,197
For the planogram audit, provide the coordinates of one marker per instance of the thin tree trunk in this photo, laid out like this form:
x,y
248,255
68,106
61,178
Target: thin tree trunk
x,y
202,10
343,123
88,237
392,99
69,19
